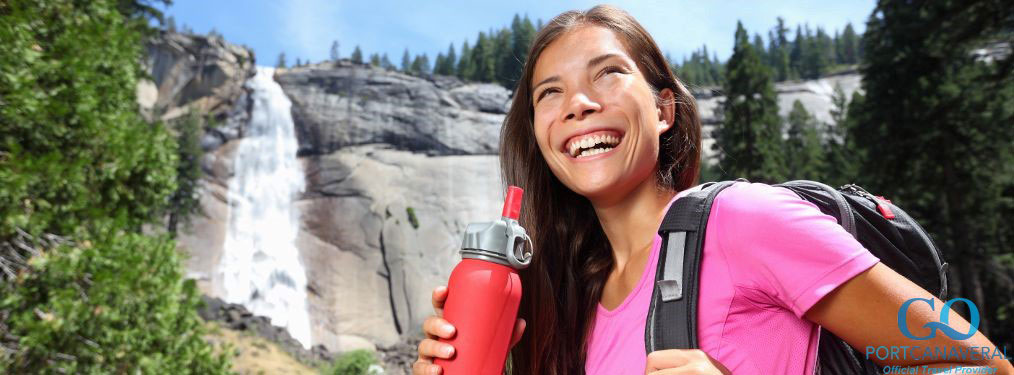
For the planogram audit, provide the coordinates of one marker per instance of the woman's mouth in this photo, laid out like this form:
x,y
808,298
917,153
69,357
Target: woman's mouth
x,y
592,145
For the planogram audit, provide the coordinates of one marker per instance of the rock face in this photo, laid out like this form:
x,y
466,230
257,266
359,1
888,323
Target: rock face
x,y
343,104
201,73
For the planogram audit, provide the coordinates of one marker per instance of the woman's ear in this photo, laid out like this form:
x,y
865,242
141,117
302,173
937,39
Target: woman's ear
x,y
666,111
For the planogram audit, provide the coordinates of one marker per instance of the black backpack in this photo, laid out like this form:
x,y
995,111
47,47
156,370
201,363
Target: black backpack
x,y
883,228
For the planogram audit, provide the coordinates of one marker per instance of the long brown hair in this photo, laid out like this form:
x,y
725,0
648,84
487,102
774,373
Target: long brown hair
x,y
572,257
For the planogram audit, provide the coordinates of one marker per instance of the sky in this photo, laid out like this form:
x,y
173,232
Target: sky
x,y
305,29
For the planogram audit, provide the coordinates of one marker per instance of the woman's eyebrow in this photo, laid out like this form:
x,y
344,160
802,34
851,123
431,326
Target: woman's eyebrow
x,y
594,61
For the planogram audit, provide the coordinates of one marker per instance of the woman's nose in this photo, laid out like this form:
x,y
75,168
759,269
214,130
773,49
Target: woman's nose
x,y
581,105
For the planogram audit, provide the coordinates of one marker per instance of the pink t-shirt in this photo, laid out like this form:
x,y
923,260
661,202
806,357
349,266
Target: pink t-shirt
x,y
768,257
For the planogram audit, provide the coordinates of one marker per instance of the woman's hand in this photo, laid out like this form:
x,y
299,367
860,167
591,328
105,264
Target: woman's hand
x,y
683,362
435,327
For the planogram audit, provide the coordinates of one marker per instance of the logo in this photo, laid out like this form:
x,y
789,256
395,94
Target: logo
x,y
941,325
955,353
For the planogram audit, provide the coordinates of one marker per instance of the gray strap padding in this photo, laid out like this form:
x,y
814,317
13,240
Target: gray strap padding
x,y
671,284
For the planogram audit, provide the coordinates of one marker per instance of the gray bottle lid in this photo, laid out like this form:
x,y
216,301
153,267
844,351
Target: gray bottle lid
x,y
503,241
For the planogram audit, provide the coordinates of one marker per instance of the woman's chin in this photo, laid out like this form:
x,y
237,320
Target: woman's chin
x,y
595,186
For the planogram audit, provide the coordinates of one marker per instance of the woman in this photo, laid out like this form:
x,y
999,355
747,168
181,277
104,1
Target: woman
x,y
770,260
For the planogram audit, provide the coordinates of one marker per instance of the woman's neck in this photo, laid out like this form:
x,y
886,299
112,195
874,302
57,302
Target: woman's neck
x,y
631,222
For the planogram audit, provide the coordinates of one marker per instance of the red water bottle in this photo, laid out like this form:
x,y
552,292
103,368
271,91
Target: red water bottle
x,y
484,292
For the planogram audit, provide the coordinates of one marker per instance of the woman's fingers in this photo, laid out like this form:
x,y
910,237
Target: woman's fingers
x,y
439,296
430,348
519,329
421,367
435,326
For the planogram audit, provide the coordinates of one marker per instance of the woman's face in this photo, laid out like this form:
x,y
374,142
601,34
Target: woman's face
x,y
587,90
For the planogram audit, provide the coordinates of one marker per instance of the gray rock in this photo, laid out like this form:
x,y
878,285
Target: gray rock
x,y
194,72
345,104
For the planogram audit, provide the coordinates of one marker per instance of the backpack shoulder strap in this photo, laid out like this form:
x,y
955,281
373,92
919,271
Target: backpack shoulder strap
x,y
672,318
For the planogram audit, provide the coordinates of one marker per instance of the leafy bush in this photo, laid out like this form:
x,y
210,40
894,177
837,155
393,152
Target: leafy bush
x,y
412,218
77,161
356,362
116,303
73,146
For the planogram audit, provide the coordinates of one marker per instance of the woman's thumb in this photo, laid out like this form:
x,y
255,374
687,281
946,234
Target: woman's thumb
x,y
519,329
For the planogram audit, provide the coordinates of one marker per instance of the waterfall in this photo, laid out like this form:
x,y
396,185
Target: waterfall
x,y
260,266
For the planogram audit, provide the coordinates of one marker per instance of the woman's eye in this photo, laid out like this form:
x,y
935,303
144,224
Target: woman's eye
x,y
545,92
611,69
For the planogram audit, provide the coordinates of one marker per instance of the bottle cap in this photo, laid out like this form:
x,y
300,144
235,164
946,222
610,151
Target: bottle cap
x,y
512,205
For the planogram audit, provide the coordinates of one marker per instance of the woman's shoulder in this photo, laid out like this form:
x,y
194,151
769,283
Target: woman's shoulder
x,y
755,199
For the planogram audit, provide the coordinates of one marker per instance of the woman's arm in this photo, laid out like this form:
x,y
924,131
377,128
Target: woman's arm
x,y
864,312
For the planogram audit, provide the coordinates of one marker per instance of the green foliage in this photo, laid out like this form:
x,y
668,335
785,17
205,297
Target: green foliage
x,y
445,64
936,127
356,362
77,160
357,55
281,60
804,152
420,65
411,217
749,140
184,201
701,70
115,303
72,145
778,51
522,34
842,156
406,62
465,67
483,60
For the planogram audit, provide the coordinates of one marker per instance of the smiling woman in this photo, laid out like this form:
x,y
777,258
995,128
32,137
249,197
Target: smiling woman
x,y
603,138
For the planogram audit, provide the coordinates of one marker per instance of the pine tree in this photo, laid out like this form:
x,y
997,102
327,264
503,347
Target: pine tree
x,y
824,52
503,59
483,59
184,201
465,69
386,63
334,51
420,65
406,62
796,53
438,62
374,59
781,60
938,119
849,45
171,24
447,67
523,33
804,153
758,46
749,140
357,55
842,156
281,60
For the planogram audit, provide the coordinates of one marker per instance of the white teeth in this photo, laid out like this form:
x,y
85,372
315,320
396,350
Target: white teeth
x,y
594,151
592,141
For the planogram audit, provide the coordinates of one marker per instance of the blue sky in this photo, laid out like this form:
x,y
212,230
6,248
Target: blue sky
x,y
305,29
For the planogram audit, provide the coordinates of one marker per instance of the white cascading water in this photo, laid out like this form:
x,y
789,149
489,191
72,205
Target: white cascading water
x,y
260,266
